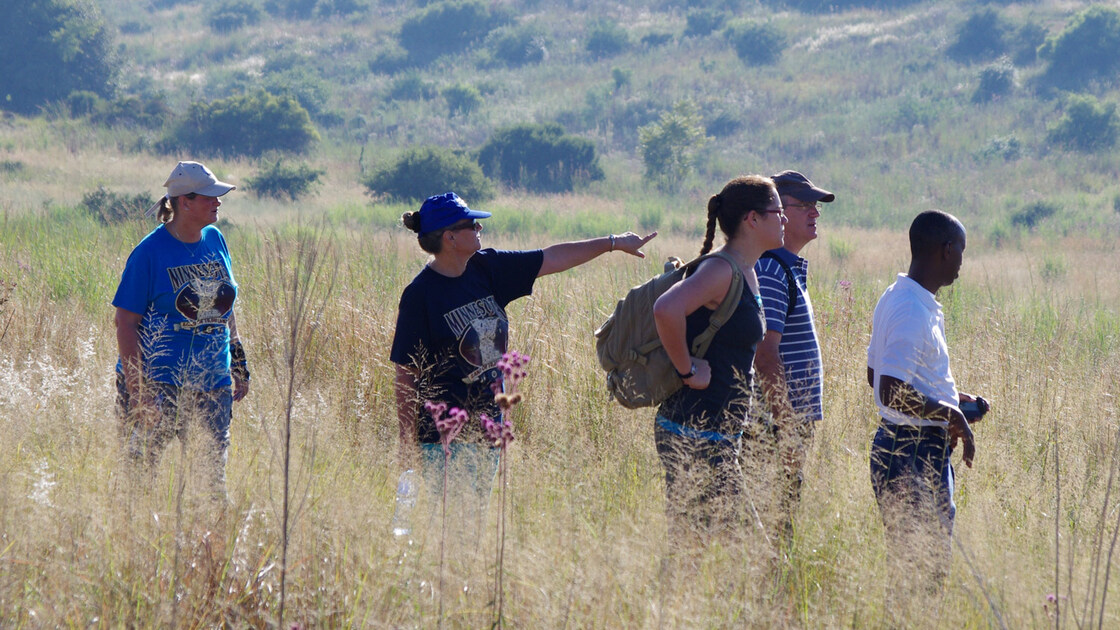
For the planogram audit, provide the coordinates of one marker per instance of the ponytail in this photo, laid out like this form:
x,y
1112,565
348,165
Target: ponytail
x,y
714,205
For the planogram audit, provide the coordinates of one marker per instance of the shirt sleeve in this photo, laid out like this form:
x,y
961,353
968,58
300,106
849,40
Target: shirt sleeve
x,y
412,327
513,272
773,286
135,289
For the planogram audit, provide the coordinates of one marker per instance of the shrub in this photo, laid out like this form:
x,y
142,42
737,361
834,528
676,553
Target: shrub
x,y
109,207
519,45
447,28
1030,215
1023,46
278,180
979,37
914,112
461,98
246,124
723,124
390,61
231,15
605,38
995,80
654,40
539,158
621,77
83,102
300,81
703,22
424,171
1086,125
670,145
1088,49
755,42
50,48
1007,148
411,86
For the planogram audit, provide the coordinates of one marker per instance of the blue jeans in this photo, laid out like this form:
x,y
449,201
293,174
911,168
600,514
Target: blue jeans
x,y
470,478
176,408
913,483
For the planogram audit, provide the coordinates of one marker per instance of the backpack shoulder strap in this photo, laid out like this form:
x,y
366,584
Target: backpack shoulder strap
x,y
791,282
726,307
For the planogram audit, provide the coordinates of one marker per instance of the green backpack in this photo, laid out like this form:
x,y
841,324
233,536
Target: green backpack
x,y
639,373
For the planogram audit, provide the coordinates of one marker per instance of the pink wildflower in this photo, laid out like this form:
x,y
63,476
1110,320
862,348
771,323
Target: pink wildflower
x,y
500,434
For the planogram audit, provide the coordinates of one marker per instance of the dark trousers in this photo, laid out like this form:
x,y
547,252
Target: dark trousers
x,y
703,482
913,483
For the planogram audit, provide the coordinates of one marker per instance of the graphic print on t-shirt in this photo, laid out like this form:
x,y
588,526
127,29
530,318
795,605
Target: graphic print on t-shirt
x,y
483,333
203,293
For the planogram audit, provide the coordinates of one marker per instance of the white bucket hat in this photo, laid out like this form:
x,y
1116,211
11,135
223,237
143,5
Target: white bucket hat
x,y
191,177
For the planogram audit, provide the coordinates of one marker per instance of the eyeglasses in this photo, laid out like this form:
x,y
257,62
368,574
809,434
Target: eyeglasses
x,y
769,211
473,225
807,206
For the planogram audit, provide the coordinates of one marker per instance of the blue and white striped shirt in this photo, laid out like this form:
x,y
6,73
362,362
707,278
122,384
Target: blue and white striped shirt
x,y
799,349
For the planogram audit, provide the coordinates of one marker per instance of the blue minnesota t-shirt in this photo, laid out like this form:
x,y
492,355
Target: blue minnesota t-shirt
x,y
453,331
185,294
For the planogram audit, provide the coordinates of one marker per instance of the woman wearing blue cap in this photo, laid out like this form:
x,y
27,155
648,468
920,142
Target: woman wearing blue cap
x,y
452,327
180,357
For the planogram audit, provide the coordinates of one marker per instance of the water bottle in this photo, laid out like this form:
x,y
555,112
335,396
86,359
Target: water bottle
x,y
407,487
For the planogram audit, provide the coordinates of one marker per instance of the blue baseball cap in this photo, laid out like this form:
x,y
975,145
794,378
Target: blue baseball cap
x,y
440,211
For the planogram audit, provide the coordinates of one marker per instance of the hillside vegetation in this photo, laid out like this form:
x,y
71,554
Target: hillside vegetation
x,y
566,119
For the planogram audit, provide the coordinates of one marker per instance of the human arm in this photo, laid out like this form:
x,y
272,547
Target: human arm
x,y
772,374
564,256
128,347
240,377
707,286
407,408
902,397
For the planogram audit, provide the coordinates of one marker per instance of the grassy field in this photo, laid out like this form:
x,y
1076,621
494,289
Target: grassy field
x,y
1032,327
865,102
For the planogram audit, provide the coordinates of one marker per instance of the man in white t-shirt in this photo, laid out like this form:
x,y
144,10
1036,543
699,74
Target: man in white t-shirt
x,y
908,369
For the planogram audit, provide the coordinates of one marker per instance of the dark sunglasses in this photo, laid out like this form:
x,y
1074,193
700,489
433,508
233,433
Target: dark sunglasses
x,y
473,225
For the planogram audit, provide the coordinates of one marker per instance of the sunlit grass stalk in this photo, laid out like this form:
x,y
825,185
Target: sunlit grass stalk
x,y
304,287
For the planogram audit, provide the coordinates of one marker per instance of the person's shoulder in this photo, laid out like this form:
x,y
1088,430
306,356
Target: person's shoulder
x,y
153,242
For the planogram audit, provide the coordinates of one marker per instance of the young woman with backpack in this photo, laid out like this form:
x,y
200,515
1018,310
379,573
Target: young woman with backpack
x,y
698,428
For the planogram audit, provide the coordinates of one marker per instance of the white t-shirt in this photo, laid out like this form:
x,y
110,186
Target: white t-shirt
x,y
908,343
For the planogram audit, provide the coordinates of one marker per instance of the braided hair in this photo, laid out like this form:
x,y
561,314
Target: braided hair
x,y
728,207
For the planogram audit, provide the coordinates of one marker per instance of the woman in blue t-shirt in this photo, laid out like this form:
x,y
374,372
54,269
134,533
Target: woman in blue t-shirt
x,y
180,356
452,329
699,427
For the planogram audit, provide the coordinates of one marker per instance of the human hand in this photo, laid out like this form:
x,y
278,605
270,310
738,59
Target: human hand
x,y
959,430
631,243
240,389
703,376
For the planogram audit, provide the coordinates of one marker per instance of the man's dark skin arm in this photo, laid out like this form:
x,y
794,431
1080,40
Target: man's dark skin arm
x,y
902,397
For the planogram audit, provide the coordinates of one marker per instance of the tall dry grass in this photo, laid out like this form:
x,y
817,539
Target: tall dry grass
x,y
585,525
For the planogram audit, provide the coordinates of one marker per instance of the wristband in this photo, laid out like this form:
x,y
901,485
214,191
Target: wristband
x,y
239,364
612,242
687,375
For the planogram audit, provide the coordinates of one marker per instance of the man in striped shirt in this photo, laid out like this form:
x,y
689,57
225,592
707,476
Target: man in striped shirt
x,y
788,359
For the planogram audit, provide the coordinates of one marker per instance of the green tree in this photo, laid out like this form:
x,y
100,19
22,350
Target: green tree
x,y
1088,49
424,171
50,48
1086,125
539,158
669,146
279,180
246,124
447,28
755,43
982,36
